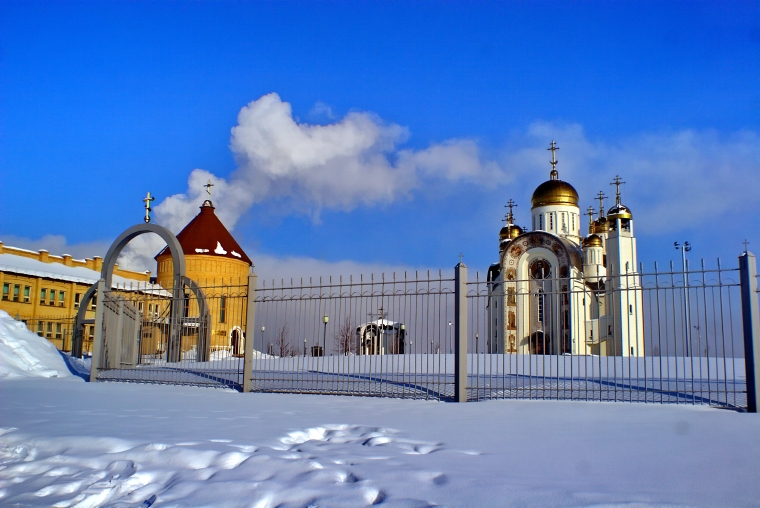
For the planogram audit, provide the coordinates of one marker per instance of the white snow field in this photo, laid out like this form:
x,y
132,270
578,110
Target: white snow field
x,y
64,442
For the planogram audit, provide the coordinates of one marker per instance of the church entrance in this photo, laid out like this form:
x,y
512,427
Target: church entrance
x,y
236,343
540,343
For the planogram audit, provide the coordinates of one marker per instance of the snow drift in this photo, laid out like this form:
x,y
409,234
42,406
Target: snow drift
x,y
24,354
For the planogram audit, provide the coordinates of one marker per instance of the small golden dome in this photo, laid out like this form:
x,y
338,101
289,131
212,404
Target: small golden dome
x,y
592,241
554,192
619,212
598,226
510,232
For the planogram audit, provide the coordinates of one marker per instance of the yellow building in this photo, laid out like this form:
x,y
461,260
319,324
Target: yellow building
x,y
44,290
215,261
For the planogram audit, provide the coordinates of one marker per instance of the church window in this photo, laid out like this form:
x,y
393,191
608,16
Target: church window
x,y
534,223
572,221
27,294
564,222
551,222
222,309
627,267
541,222
6,290
630,309
631,351
540,298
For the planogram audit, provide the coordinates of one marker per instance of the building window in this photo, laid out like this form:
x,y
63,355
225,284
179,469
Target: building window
x,y
27,294
6,290
43,296
572,221
58,334
94,302
40,328
630,309
49,333
77,299
222,309
541,222
61,298
52,297
551,222
16,292
564,222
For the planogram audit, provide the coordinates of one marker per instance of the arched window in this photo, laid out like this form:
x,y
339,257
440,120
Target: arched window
x,y
541,222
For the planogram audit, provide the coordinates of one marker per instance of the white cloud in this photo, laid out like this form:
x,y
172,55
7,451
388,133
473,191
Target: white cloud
x,y
58,245
674,180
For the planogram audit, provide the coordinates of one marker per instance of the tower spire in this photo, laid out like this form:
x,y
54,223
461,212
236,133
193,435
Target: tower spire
x,y
147,199
554,175
601,197
617,182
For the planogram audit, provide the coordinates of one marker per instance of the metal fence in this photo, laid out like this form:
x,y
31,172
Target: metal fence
x,y
376,336
689,339
441,336
144,341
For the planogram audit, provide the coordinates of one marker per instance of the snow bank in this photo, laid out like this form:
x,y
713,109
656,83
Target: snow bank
x,y
25,354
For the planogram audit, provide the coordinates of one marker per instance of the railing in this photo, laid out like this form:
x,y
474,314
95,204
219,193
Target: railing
x,y
659,336
666,341
376,336
196,348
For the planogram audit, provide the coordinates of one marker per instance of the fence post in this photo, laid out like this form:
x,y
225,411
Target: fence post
x,y
460,331
751,327
250,333
97,342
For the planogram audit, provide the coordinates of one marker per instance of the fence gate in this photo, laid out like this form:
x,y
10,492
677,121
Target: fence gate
x,y
121,332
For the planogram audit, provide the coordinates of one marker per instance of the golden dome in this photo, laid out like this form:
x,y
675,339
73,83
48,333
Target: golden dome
x,y
598,226
619,212
554,192
510,232
592,241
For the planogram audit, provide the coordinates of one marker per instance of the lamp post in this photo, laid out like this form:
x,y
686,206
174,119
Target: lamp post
x,y
262,338
403,336
325,319
476,344
686,247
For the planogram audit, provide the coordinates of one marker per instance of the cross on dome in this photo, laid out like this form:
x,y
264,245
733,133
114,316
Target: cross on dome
x,y
554,175
510,218
590,213
208,188
601,197
147,199
617,182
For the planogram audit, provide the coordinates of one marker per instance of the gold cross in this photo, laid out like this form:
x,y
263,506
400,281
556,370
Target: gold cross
x,y
601,197
590,213
617,182
148,209
208,188
510,218
554,149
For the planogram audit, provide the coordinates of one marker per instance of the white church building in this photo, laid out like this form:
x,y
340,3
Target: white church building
x,y
555,291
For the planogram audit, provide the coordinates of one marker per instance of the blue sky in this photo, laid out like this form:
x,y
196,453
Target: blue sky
x,y
102,102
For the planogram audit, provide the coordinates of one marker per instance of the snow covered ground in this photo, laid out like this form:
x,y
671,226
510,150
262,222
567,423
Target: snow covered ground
x,y
64,442
70,443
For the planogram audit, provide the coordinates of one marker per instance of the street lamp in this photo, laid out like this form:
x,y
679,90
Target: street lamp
x,y
686,247
325,319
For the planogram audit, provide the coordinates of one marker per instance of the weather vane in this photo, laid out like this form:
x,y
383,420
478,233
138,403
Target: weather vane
x,y
617,182
208,188
147,199
553,148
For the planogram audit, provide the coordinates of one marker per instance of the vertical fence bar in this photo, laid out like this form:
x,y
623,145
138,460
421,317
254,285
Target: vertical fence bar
x,y
97,343
250,333
751,326
460,329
